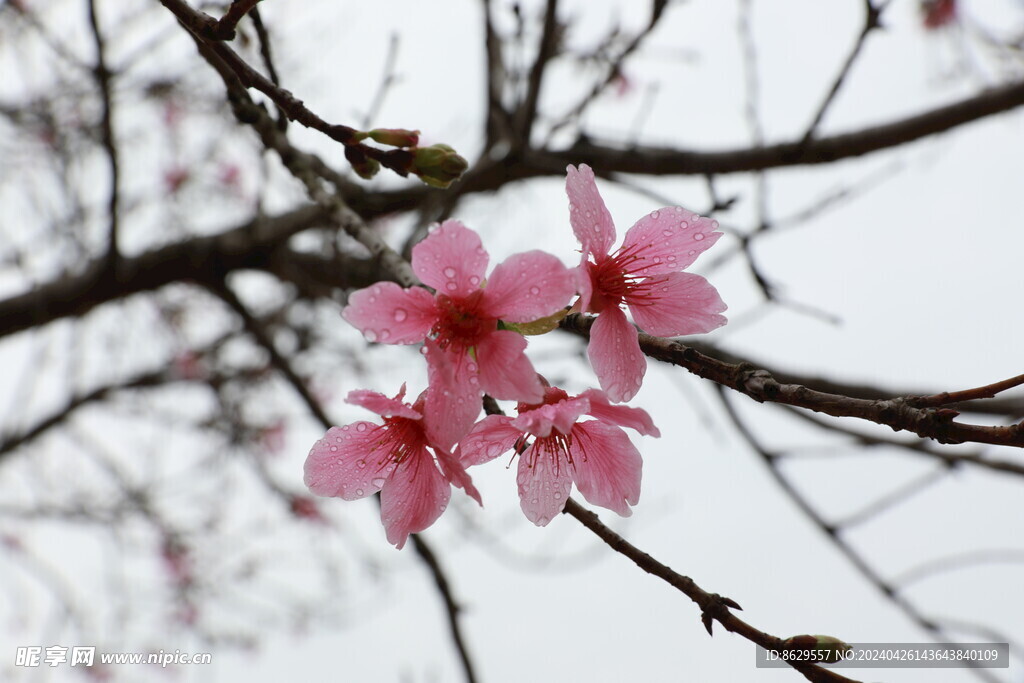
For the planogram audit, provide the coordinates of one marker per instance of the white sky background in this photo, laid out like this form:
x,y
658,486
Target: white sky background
x,y
923,270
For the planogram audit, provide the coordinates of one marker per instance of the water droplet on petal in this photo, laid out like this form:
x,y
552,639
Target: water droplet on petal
x,y
668,232
474,280
360,464
378,482
359,492
692,252
534,290
442,507
684,225
384,334
334,449
400,315
423,350
471,366
370,335
449,272
361,427
451,286
698,236
542,521
655,215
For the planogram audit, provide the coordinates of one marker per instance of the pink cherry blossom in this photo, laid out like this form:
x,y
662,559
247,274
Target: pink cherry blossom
x,y
595,454
467,354
644,274
362,458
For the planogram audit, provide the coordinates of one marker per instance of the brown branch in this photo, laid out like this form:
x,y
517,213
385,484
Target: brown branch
x,y
713,607
946,398
758,384
224,28
103,80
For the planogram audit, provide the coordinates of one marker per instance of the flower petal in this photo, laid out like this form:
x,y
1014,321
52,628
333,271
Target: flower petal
x,y
381,404
677,303
607,465
453,394
668,240
451,259
623,416
388,314
488,439
528,286
350,462
615,355
561,416
413,497
584,286
455,472
544,482
587,213
505,371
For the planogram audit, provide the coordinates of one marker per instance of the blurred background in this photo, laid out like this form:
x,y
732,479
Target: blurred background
x,y
170,328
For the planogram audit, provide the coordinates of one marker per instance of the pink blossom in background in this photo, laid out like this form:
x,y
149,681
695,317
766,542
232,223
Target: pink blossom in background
x,y
595,454
400,458
938,13
645,275
466,352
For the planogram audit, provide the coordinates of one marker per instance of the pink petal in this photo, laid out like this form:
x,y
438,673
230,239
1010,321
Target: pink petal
x,y
560,416
528,286
451,259
584,286
455,472
413,498
677,303
615,355
505,371
453,394
668,240
350,462
544,483
608,466
381,404
623,416
388,314
488,439
587,213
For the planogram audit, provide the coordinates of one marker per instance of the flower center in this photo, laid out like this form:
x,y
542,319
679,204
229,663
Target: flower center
x,y
460,322
402,438
613,281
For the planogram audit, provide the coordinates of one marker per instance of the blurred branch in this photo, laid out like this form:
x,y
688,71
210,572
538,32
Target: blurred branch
x,y
103,82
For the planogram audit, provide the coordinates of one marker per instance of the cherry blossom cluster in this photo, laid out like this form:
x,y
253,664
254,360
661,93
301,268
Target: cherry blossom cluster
x,y
471,327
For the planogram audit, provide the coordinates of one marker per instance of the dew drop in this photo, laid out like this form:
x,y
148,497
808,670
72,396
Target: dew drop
x,y
692,252
698,236
449,272
471,366
442,507
671,257
535,290
334,449
474,280
384,334
360,464
451,286
378,482
359,492
668,232
400,315
474,380
433,228
345,428
542,521
370,335
361,427
657,260
714,225
373,299
423,350
655,215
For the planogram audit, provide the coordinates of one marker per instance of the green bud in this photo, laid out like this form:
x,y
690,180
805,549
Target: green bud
x,y
539,326
363,165
438,165
396,137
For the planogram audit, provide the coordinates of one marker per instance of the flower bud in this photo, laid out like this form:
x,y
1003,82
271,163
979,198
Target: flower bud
x,y
438,165
826,649
396,137
363,165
